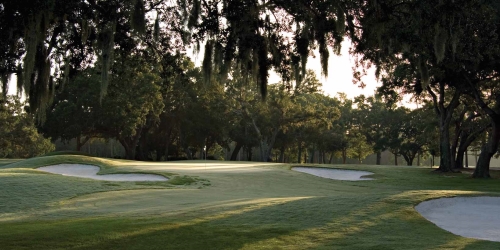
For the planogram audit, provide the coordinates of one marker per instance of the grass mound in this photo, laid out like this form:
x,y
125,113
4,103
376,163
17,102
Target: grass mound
x,y
60,159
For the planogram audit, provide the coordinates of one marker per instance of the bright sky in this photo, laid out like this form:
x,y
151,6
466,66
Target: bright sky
x,y
339,74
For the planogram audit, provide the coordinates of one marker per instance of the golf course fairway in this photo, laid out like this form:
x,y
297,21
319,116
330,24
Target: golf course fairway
x,y
227,205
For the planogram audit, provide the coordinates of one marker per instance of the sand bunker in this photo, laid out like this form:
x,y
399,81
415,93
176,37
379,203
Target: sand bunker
x,y
336,174
89,171
472,217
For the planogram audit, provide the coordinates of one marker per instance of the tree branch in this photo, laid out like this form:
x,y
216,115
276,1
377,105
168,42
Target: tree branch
x,y
434,100
477,97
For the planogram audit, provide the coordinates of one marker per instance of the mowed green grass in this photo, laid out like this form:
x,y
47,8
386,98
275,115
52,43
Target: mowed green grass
x,y
226,205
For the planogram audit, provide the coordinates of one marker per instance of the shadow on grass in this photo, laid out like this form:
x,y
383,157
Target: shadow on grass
x,y
387,221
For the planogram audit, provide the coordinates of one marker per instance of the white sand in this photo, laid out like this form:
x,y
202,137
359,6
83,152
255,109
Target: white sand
x,y
336,174
89,171
472,217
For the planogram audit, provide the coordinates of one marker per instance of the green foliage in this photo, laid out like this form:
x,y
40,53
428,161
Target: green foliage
x,y
45,33
19,137
182,180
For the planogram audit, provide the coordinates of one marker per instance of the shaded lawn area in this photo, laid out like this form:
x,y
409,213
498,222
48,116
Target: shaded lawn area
x,y
245,207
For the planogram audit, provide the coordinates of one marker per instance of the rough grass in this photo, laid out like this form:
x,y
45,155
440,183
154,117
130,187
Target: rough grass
x,y
229,206
4,162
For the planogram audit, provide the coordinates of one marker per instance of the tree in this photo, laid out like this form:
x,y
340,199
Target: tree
x,y
19,137
359,147
427,46
46,42
374,118
343,125
74,112
134,101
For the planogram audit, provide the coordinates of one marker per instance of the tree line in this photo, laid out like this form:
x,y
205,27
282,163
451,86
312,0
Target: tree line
x,y
445,52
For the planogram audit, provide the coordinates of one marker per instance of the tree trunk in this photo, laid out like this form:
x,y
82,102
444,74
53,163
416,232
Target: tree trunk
x,y
80,143
299,157
483,164
444,146
249,154
236,150
379,157
311,157
407,159
129,149
263,156
466,159
445,115
331,158
459,161
344,155
282,154
395,159
488,150
184,146
466,140
271,144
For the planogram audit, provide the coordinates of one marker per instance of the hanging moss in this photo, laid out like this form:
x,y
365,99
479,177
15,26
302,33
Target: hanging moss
x,y
65,79
85,32
156,32
263,68
424,73
296,70
40,95
440,38
52,90
139,17
195,13
20,79
4,78
207,61
454,43
324,55
340,22
106,45
302,43
32,43
218,55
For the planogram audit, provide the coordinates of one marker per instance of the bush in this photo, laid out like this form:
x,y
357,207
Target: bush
x,y
19,137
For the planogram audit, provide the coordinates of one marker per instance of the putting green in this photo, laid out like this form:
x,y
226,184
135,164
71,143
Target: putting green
x,y
225,205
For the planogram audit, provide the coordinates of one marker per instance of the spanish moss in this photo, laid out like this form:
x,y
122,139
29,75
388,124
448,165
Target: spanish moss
x,y
106,45
207,62
138,17
20,79
440,37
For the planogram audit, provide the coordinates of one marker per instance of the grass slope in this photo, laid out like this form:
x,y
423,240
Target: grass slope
x,y
227,205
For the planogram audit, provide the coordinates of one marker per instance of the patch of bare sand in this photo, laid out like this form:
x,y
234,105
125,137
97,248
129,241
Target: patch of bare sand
x,y
472,217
